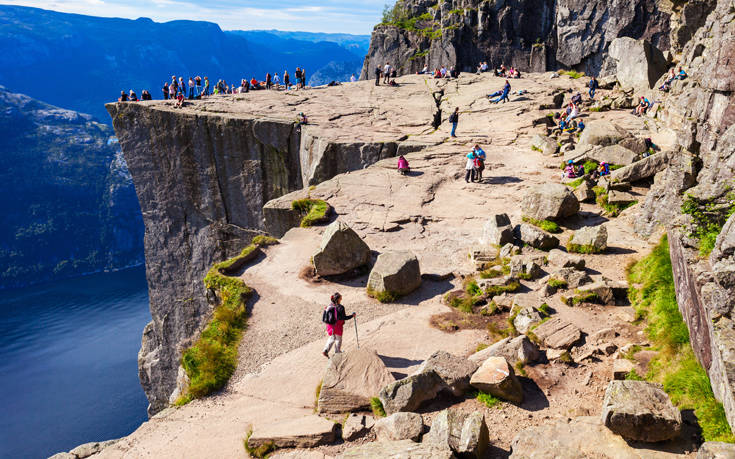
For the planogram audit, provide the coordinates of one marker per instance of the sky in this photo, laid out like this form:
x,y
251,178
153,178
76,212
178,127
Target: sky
x,y
344,16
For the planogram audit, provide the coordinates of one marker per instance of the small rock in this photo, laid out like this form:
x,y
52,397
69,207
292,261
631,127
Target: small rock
x,y
399,426
620,198
547,145
566,260
621,368
507,251
591,236
527,316
497,230
558,333
453,370
357,426
515,350
572,277
606,334
535,237
465,434
716,450
482,255
639,410
409,393
495,376
524,266
584,192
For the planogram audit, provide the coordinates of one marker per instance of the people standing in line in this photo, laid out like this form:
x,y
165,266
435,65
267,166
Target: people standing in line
x,y
303,78
593,87
286,80
377,75
182,86
480,158
191,88
334,317
268,81
165,90
173,88
386,73
276,81
198,81
123,97
470,168
297,75
454,119
352,78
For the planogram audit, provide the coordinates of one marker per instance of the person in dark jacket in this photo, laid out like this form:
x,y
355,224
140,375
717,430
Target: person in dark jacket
x,y
335,330
378,72
454,119
593,87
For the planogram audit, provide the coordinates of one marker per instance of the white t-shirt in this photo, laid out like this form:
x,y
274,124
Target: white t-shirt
x,y
353,79
470,163
386,69
276,79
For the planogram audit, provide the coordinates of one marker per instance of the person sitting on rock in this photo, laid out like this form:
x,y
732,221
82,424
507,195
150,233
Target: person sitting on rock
x,y
437,73
577,98
504,95
254,84
569,171
179,100
145,95
423,71
133,97
403,165
603,169
336,314
573,112
392,83
682,75
303,119
643,106
580,126
123,97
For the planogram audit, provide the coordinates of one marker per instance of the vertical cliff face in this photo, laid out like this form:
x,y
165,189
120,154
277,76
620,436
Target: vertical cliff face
x,y
533,35
201,181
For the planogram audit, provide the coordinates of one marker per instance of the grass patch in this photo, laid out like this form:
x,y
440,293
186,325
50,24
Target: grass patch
x,y
519,368
382,296
566,357
558,283
708,218
317,392
546,225
314,211
495,290
581,297
675,366
595,109
590,166
210,362
573,74
634,376
535,148
259,452
488,400
481,347
630,354
587,249
544,310
575,183
377,406
491,273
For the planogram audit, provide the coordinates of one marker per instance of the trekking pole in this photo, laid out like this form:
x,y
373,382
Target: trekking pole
x,y
356,337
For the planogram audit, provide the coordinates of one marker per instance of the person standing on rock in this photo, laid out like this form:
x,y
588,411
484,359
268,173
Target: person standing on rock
x,y
386,73
593,87
480,158
454,119
334,316
470,167
377,75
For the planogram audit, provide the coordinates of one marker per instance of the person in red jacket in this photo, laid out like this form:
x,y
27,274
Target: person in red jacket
x,y
335,324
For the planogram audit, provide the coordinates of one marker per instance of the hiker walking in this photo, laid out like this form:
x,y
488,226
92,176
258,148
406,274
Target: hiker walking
x,y
334,317
454,119
593,87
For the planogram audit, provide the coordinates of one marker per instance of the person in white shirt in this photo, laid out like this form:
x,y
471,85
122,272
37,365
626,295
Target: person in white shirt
x,y
352,78
443,71
276,81
386,73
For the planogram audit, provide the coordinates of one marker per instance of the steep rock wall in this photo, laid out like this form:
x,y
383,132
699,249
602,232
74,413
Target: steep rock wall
x,y
533,35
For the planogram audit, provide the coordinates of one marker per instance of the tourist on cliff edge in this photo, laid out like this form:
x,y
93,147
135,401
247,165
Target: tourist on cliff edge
x,y
334,316
454,119
377,76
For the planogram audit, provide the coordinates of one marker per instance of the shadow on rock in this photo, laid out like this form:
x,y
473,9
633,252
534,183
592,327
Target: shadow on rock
x,y
534,398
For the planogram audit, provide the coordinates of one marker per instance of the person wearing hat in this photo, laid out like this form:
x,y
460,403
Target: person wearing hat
x,y
335,318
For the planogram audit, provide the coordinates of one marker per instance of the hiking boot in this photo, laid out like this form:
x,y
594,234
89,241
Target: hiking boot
x,y
325,354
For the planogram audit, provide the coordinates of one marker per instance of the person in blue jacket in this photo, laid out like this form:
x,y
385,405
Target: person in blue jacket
x,y
504,96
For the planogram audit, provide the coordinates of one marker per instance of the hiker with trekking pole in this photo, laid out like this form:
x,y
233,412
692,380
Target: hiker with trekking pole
x,y
334,317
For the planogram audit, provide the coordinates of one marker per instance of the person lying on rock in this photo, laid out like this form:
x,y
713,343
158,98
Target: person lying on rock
x,y
403,165
504,95
334,317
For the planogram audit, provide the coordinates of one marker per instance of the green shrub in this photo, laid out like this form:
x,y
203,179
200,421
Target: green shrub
x,y
377,406
488,400
524,276
544,310
590,166
557,283
314,211
573,74
576,183
612,210
546,225
494,290
383,296
317,393
519,368
675,366
566,357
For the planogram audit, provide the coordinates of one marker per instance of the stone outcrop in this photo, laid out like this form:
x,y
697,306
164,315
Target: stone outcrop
x,y
399,426
409,393
639,64
341,251
455,371
351,379
465,434
497,230
404,449
639,410
495,376
302,432
394,273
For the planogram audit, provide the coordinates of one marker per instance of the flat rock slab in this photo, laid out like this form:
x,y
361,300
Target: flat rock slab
x,y
302,432
404,449
558,333
399,426
455,371
351,379
639,410
583,437
716,450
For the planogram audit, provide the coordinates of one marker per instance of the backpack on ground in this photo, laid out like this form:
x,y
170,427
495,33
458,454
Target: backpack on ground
x,y
329,315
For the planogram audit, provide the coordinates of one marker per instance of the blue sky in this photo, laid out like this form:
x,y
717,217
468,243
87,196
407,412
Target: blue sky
x,y
346,16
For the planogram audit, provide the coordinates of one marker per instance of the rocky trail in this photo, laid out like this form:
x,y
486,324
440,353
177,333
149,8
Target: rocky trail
x,y
433,213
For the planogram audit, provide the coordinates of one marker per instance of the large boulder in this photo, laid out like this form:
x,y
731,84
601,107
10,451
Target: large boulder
x,y
465,434
574,278
394,273
639,410
593,238
357,426
497,230
455,371
558,333
601,132
585,192
515,350
341,251
565,260
614,154
409,393
536,237
351,379
643,169
399,426
495,376
545,145
403,449
639,63
549,201
302,432
525,318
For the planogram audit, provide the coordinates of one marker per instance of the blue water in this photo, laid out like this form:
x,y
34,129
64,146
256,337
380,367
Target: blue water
x,y
68,362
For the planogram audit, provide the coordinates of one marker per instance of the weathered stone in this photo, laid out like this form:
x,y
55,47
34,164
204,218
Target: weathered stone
x,y
614,154
546,145
604,335
455,371
508,250
584,192
515,350
602,133
89,449
591,236
397,273
725,243
524,266
621,368
303,432
619,186
639,63
404,449
549,201
639,410
527,317
341,251
643,169
399,426
357,426
558,333
535,237
497,230
574,278
465,434
495,376
716,450
621,198
351,379
481,256
566,260
603,289
409,393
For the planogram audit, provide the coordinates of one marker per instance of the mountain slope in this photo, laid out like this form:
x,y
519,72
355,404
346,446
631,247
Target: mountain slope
x,y
69,203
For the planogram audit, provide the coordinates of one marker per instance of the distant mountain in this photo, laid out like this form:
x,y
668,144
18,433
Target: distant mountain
x,y
359,44
79,62
69,205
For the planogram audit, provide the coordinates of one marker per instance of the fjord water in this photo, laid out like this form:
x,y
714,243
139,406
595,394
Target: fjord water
x,y
68,362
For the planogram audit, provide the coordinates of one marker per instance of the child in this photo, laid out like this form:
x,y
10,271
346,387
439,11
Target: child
x,y
336,324
569,171
403,165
